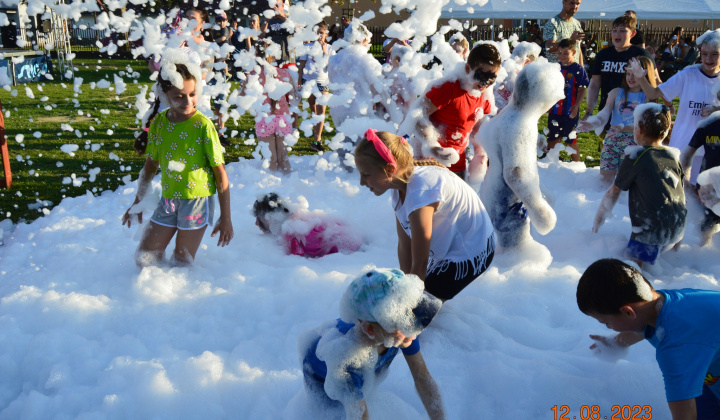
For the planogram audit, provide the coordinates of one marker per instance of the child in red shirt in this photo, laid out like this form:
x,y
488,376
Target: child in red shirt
x,y
451,111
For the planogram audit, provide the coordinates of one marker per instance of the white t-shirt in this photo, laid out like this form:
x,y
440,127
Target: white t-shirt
x,y
461,227
694,89
316,63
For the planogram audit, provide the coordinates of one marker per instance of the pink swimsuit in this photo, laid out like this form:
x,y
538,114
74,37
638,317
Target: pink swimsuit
x,y
279,122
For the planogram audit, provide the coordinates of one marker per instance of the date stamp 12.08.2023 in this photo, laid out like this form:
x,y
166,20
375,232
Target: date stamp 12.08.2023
x,y
593,412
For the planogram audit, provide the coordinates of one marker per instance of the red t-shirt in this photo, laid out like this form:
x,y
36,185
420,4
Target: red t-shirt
x,y
456,116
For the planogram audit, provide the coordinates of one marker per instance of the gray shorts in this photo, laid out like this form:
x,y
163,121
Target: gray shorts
x,y
184,213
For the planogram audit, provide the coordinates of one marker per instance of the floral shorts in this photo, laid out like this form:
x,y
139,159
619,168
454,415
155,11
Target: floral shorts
x,y
613,151
280,125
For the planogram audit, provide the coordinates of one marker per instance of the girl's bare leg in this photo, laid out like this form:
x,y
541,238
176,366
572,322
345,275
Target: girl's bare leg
x,y
317,110
153,243
186,246
273,153
281,154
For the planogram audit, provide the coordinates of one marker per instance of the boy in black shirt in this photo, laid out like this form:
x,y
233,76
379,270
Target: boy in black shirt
x,y
608,69
706,136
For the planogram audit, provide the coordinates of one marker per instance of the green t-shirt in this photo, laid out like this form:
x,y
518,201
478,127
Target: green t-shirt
x,y
186,152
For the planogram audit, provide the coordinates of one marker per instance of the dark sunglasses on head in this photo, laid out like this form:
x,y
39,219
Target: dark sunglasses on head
x,y
485,78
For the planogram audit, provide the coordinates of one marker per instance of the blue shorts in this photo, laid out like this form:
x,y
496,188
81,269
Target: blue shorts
x,y
642,252
708,406
560,127
184,213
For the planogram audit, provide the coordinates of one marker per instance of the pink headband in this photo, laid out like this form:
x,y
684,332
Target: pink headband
x,y
381,147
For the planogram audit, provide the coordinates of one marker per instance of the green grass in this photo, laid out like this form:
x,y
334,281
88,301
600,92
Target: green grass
x,y
38,164
41,168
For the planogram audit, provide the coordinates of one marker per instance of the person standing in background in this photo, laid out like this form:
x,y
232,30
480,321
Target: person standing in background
x,y
563,26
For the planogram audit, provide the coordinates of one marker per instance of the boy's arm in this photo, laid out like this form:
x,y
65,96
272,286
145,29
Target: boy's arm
x,y
224,225
578,100
421,228
426,386
686,158
404,248
606,206
683,409
592,94
430,136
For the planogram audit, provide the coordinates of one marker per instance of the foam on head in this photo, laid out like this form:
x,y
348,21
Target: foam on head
x,y
390,298
356,32
539,85
168,67
710,39
654,119
525,50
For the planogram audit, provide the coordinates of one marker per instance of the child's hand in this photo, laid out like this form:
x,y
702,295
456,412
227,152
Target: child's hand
x,y
224,226
574,111
583,126
445,155
635,68
607,348
127,217
708,196
708,110
599,220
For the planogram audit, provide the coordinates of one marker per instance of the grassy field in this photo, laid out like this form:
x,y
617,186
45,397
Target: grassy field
x,y
102,125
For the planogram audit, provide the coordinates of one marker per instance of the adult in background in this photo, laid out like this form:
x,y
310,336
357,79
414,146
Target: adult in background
x,y
563,26
275,30
608,70
242,41
668,55
693,86
639,38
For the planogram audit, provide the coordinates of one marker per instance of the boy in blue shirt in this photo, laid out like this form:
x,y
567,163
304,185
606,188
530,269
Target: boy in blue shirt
x,y
382,312
683,326
563,117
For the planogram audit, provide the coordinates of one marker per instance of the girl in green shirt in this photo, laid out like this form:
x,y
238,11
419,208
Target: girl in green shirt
x,y
184,145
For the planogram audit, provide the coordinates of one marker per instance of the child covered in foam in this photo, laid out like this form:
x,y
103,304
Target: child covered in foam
x,y
382,313
653,176
305,233
511,190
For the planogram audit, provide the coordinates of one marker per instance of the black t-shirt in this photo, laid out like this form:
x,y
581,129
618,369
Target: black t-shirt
x,y
279,36
610,65
709,137
653,177
219,33
638,39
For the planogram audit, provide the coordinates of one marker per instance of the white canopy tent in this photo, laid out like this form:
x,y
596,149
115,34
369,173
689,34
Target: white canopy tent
x,y
589,9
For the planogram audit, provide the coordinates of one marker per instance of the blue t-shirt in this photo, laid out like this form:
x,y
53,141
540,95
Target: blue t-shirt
x,y
319,368
624,107
575,77
687,342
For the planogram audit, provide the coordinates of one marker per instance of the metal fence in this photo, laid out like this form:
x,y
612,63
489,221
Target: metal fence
x,y
596,33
